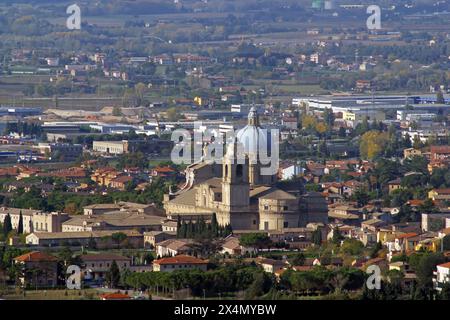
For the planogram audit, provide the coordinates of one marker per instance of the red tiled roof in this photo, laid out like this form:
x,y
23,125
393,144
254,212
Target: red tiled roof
x,y
181,259
442,191
444,265
440,149
164,169
35,256
122,179
114,296
302,268
407,235
415,202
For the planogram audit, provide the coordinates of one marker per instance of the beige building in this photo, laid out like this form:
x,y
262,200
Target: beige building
x,y
34,220
111,147
439,194
117,220
46,264
411,153
96,266
181,262
278,210
101,208
103,239
173,247
238,193
152,238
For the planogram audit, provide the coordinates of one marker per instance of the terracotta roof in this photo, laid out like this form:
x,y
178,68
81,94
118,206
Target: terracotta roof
x,y
444,265
442,191
440,149
303,268
407,235
163,169
35,256
114,296
181,259
122,179
415,202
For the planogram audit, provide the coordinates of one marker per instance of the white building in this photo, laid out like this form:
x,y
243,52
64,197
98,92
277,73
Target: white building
x,y
441,275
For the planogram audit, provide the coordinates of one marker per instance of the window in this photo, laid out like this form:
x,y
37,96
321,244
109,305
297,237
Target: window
x,y
285,224
239,171
285,208
266,207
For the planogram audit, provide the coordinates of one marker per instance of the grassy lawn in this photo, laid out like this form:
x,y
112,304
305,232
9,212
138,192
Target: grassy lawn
x,y
86,294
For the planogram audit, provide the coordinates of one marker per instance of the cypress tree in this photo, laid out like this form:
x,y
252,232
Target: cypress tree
x,y
184,232
317,237
201,226
20,225
178,226
214,225
113,277
190,230
7,225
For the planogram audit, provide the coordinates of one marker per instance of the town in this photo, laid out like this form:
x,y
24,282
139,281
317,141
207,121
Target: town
x,y
93,205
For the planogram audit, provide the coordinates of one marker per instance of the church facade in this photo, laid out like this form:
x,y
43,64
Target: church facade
x,y
237,192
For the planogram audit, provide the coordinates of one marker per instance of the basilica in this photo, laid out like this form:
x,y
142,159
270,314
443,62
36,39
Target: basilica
x,y
239,194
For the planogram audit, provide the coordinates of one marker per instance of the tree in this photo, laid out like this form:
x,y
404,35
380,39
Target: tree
x,y
427,207
113,275
20,225
214,225
140,90
118,238
361,197
424,263
66,256
337,236
440,97
260,285
71,208
317,237
258,240
172,114
329,117
376,249
7,225
373,144
446,242
297,260
92,244
445,292
352,247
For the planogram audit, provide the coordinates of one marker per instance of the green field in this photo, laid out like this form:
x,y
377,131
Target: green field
x,y
86,294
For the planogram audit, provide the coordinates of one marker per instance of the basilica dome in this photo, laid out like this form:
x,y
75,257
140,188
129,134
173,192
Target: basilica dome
x,y
253,138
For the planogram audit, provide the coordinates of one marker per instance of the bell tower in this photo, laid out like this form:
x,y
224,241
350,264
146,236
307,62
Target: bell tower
x,y
235,181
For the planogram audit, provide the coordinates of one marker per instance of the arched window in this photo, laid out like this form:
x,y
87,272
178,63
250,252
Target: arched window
x,y
239,171
226,171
